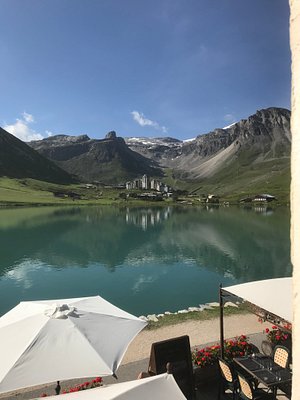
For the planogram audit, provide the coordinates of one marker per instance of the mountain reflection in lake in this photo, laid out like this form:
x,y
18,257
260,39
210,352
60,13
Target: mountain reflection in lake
x,y
144,260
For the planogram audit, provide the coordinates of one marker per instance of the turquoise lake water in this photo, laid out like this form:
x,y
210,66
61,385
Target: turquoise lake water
x,y
146,260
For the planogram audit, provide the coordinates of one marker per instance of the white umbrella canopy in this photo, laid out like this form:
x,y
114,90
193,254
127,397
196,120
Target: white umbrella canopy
x,y
49,340
273,295
159,387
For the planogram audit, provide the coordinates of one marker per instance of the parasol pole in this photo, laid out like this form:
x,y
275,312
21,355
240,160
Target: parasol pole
x,y
221,305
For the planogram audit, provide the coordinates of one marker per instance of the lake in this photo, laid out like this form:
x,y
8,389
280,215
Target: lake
x,y
144,260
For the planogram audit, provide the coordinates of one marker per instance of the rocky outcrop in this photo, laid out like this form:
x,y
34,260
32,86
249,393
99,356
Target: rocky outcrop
x,y
111,135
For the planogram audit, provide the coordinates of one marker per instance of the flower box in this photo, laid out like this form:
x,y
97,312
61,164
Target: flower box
x,y
206,368
206,376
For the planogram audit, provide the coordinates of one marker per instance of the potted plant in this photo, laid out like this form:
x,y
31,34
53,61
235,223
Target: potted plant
x,y
205,364
276,336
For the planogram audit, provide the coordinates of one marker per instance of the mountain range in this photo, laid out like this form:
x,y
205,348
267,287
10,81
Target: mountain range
x,y
108,160
261,137
250,155
252,152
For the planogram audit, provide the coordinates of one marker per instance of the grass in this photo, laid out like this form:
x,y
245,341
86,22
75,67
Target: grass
x,y
174,319
239,180
30,192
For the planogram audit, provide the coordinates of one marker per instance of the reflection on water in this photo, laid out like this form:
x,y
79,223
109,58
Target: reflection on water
x,y
144,260
260,209
146,218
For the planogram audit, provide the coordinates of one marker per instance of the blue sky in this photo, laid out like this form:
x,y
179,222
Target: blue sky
x,y
157,68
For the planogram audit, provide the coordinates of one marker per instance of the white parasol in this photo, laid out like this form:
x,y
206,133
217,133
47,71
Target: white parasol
x,y
50,340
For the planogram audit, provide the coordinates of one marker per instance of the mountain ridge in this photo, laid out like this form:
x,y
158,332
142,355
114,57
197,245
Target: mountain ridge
x,y
262,136
172,153
18,160
108,160
252,150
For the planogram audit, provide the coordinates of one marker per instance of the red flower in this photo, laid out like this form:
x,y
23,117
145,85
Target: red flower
x,y
267,330
209,355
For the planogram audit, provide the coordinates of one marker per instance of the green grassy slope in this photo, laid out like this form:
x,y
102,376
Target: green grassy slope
x,y
34,192
238,180
231,184
18,160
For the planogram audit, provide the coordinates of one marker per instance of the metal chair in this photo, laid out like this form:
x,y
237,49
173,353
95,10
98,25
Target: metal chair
x,y
281,356
228,379
248,392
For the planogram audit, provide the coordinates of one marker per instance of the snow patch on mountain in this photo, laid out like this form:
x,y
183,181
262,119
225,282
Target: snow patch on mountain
x,y
229,126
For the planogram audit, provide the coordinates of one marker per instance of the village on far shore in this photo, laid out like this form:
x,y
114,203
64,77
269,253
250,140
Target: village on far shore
x,y
152,189
160,190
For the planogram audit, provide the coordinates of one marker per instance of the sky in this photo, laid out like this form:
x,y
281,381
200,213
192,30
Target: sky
x,y
156,68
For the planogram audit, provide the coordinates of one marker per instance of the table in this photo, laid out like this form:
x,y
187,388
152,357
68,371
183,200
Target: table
x,y
265,370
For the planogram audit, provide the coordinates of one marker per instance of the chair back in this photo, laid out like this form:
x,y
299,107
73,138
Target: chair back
x,y
225,370
246,391
281,356
174,356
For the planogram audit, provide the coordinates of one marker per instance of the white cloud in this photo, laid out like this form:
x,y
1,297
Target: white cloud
x,y
143,121
28,117
229,118
22,130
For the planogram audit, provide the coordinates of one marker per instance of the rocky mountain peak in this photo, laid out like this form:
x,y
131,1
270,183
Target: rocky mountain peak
x,y
111,135
271,116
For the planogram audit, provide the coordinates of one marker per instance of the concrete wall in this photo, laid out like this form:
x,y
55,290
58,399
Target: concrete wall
x,y
295,189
